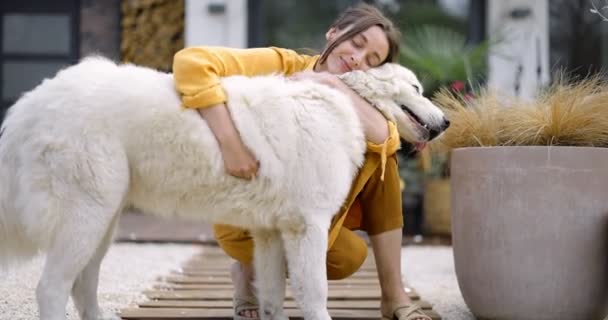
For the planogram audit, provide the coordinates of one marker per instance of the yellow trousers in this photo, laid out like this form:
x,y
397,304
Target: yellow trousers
x,y
344,257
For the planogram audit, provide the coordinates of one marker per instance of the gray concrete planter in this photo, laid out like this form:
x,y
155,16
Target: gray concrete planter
x,y
530,231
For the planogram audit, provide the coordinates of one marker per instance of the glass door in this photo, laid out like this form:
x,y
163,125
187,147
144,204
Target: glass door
x,y
37,38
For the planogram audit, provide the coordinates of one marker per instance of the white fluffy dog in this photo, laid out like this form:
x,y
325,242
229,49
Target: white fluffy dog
x,y
99,136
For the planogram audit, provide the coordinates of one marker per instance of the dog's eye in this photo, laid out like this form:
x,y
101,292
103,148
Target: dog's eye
x,y
417,88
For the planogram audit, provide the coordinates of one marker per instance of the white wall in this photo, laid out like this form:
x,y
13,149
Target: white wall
x,y
524,45
216,29
457,8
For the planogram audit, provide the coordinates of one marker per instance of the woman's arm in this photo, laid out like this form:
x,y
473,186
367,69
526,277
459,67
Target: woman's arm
x,y
197,72
238,159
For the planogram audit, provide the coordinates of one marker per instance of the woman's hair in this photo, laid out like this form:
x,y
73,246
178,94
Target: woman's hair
x,y
358,19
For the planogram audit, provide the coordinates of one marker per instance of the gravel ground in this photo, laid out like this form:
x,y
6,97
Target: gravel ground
x,y
130,268
127,270
430,270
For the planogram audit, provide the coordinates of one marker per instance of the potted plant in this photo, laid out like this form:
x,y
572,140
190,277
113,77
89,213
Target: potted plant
x,y
528,202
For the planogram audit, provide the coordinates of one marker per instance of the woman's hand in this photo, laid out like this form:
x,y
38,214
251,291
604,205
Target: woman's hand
x,y
238,159
374,124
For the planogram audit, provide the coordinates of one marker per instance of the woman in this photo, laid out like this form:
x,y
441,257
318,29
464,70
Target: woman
x,y
361,38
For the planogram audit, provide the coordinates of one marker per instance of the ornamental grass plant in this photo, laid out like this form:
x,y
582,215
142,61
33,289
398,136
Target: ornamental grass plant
x,y
568,113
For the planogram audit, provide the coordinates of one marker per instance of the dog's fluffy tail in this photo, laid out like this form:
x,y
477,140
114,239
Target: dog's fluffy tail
x,y
28,220
27,224
14,250
15,246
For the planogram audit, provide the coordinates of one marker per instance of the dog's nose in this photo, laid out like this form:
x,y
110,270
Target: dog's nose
x,y
433,133
446,124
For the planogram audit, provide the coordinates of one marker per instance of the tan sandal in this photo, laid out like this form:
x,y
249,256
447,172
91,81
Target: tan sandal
x,y
245,303
407,312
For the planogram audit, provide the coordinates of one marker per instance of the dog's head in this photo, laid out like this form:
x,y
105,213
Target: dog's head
x,y
397,93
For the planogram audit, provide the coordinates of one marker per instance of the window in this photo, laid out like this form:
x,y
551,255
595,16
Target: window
x,y
37,38
578,38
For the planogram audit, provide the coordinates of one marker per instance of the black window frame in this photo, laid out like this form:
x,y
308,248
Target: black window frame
x,y
31,7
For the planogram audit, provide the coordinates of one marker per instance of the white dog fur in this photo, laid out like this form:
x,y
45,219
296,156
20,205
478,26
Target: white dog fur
x,y
99,136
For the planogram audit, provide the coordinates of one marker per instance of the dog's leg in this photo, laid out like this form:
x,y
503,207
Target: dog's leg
x,y
85,203
74,246
269,264
84,291
306,256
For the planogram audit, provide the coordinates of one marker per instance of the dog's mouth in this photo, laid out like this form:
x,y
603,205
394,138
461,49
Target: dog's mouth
x,y
422,127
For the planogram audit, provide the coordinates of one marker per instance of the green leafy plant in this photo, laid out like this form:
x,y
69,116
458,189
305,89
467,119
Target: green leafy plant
x,y
441,56
413,14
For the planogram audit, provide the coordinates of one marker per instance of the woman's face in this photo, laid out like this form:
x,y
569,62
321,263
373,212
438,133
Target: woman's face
x,y
365,50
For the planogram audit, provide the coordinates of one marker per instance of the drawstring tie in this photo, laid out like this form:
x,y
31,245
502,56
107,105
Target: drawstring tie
x,y
389,146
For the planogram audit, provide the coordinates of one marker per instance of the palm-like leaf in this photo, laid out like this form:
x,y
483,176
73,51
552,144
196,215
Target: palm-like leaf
x,y
440,56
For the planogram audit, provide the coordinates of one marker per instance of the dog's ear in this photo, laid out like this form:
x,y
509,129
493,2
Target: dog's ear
x,y
371,84
399,76
385,72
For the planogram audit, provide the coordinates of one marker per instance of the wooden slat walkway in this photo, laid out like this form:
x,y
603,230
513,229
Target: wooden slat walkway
x,y
202,289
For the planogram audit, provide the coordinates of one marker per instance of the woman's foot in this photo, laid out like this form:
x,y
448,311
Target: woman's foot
x,y
245,302
400,303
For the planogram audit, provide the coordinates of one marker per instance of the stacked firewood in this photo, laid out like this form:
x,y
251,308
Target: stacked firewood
x,y
152,32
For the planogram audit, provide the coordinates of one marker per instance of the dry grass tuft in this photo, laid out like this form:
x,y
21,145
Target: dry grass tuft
x,y
566,114
473,123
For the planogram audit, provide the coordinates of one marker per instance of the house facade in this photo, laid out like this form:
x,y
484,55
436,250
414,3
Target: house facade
x,y
534,39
